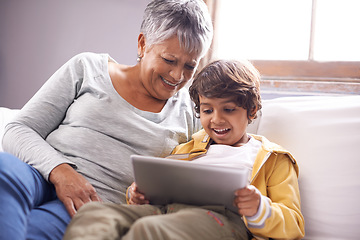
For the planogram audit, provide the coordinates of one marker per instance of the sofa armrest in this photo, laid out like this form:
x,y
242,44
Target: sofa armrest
x,y
6,114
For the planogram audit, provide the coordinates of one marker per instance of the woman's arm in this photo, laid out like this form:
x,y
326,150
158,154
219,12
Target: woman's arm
x,y
25,135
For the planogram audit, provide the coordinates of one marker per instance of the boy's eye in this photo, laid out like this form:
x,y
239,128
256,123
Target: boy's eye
x,y
207,111
229,109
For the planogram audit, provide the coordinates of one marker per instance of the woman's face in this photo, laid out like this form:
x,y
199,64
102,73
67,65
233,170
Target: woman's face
x,y
165,67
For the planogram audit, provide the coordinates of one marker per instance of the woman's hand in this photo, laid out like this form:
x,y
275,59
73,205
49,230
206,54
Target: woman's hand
x,y
136,197
247,200
72,188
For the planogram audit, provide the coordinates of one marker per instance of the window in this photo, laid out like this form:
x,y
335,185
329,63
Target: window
x,y
299,46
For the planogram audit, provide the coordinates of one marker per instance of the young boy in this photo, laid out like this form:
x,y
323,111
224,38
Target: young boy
x,y
227,98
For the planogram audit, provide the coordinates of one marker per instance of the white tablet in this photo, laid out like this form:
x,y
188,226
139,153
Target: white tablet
x,y
165,181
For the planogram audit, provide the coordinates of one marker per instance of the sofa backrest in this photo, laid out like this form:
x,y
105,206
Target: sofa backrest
x,y
323,134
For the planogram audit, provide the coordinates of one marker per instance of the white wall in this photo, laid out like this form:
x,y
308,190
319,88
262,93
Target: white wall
x,y
38,36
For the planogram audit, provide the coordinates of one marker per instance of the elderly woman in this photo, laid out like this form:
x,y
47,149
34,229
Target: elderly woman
x,y
71,142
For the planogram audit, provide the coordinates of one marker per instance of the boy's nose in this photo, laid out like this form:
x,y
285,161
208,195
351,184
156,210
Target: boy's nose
x,y
217,118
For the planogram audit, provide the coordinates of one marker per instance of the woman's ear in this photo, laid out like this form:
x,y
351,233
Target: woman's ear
x,y
141,45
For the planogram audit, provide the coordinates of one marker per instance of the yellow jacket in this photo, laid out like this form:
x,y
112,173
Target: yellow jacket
x,y
274,174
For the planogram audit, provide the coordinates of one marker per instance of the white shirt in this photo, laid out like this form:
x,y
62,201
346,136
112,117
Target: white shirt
x,y
236,157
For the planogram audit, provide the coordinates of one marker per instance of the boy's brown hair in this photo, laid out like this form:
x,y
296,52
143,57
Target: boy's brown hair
x,y
239,80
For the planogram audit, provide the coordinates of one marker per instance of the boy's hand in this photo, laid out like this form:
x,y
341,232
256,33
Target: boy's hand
x,y
136,197
247,200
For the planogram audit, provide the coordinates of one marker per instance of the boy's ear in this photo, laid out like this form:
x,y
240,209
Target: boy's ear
x,y
253,113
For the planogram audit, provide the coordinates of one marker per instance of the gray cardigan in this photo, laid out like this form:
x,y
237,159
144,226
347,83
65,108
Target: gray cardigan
x,y
77,117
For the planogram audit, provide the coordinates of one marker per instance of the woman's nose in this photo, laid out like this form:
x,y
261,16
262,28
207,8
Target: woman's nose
x,y
177,74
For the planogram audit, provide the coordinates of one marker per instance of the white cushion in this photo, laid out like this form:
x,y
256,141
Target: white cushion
x,y
323,133
6,115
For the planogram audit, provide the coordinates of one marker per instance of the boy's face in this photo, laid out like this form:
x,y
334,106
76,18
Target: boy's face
x,y
223,120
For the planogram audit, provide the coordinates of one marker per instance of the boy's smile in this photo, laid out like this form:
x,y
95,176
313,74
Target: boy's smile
x,y
224,120
221,131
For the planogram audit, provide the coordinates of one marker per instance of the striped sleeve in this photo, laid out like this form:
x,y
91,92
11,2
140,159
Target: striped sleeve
x,y
263,213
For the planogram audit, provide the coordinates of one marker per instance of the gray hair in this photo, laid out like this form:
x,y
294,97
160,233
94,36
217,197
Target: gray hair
x,y
189,20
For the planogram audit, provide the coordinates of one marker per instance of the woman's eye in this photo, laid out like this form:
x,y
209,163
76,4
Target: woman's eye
x,y
189,67
168,60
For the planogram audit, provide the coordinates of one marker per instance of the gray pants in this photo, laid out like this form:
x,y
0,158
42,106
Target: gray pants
x,y
136,222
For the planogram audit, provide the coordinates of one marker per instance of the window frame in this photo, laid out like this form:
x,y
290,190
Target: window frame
x,y
309,76
305,76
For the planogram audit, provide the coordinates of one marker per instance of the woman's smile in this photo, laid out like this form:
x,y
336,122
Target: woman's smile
x,y
169,83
